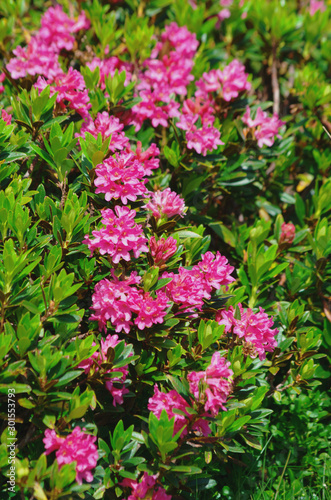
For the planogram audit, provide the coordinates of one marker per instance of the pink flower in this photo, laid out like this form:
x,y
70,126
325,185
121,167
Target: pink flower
x,y
215,269
287,234
120,236
117,301
254,328
147,158
2,78
35,59
150,311
263,128
111,302
163,249
190,287
166,203
204,139
316,5
146,488
76,447
228,83
57,28
173,401
71,89
121,177
107,126
99,357
52,441
6,117
212,387
187,289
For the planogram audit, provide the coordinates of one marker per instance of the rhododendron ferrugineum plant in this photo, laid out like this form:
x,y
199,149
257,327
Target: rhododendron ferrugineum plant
x,y
153,300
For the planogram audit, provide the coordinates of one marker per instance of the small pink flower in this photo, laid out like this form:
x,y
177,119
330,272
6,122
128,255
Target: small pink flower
x,y
166,203
263,128
2,78
163,249
121,177
99,357
107,126
213,386
146,488
287,234
119,236
6,117
228,83
71,88
255,328
76,447
150,311
316,5
57,28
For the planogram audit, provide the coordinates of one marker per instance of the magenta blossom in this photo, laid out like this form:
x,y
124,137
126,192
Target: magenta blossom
x,y
57,28
254,328
263,128
287,234
173,401
119,236
76,447
107,126
145,488
316,5
71,88
213,386
166,203
100,357
6,117
121,177
163,249
124,305
228,83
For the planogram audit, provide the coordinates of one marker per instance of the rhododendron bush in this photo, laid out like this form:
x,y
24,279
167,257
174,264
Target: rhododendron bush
x,y
165,240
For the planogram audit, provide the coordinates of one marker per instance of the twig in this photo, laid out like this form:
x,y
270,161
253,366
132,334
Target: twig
x,y
274,79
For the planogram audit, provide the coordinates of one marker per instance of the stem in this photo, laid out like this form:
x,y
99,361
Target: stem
x,y
274,78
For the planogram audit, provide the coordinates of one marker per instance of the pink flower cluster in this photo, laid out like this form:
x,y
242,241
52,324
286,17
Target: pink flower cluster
x,y
120,236
190,287
107,126
76,447
167,72
170,401
316,5
287,234
117,300
263,127
212,386
254,328
205,138
163,249
71,89
146,488
6,117
210,390
227,83
40,57
123,177
166,203
2,78
94,363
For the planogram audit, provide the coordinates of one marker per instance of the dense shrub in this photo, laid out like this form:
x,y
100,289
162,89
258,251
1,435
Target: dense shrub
x,y
165,241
